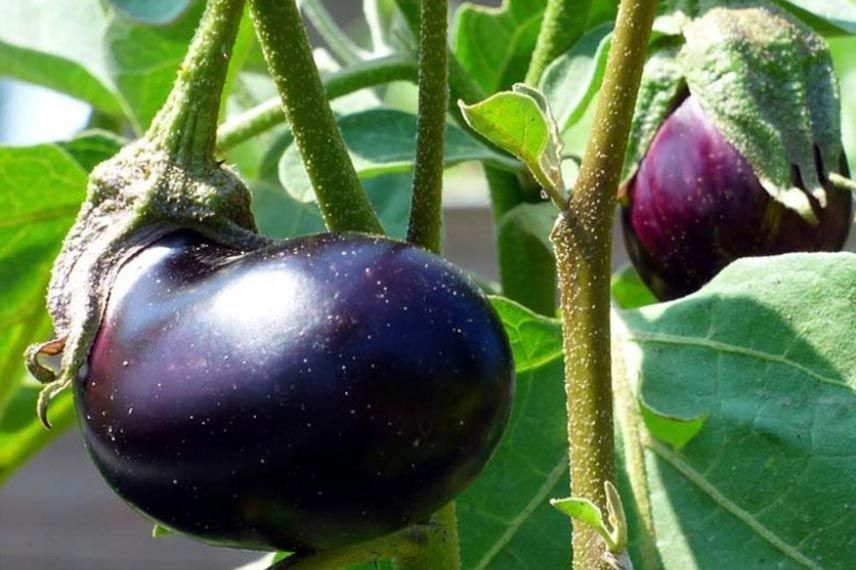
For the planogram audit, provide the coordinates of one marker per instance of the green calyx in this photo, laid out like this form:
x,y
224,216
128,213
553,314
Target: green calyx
x,y
767,82
661,87
166,181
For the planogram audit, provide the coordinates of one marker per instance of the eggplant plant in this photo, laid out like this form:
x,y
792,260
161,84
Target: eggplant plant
x,y
249,317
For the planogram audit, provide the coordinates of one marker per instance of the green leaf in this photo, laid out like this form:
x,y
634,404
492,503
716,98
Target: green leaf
x,y
582,510
520,123
89,148
154,12
839,13
572,80
383,141
58,45
673,430
628,290
766,351
505,518
494,44
523,238
43,188
144,61
535,340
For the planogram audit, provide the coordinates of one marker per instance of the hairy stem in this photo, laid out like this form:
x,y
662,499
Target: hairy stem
x,y
361,75
583,241
563,24
506,191
425,227
441,551
402,543
186,126
343,202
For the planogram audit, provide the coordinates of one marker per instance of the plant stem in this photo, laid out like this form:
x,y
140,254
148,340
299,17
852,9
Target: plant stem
x,y
505,189
186,126
358,76
554,38
425,227
441,552
632,427
402,543
343,202
583,241
340,44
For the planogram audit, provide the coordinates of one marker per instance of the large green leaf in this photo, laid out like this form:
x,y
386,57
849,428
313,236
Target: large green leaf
x,y
523,236
58,45
383,141
494,44
767,352
43,188
505,518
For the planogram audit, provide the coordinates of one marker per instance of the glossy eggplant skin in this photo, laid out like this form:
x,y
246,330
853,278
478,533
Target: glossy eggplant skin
x,y
320,392
695,206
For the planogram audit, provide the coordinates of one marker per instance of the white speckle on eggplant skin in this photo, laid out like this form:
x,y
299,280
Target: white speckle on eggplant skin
x,y
288,365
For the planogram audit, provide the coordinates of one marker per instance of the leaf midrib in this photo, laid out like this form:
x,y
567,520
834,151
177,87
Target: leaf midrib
x,y
727,504
537,500
659,338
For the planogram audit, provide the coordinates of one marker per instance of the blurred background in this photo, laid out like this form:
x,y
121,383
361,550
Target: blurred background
x,y
56,513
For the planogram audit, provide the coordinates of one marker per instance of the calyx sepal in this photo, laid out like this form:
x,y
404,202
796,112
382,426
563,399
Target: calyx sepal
x,y
133,199
166,181
766,81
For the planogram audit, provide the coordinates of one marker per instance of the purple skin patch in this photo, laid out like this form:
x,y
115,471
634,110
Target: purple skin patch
x,y
695,206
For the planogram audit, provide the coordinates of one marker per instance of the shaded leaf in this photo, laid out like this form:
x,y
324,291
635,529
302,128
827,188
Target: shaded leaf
x,y
766,351
523,238
505,518
383,141
673,430
157,12
628,290
572,80
494,44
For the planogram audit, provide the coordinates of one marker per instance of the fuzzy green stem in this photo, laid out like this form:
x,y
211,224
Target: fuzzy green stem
x,y
269,114
340,44
583,241
343,202
186,126
554,38
441,552
402,543
425,227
